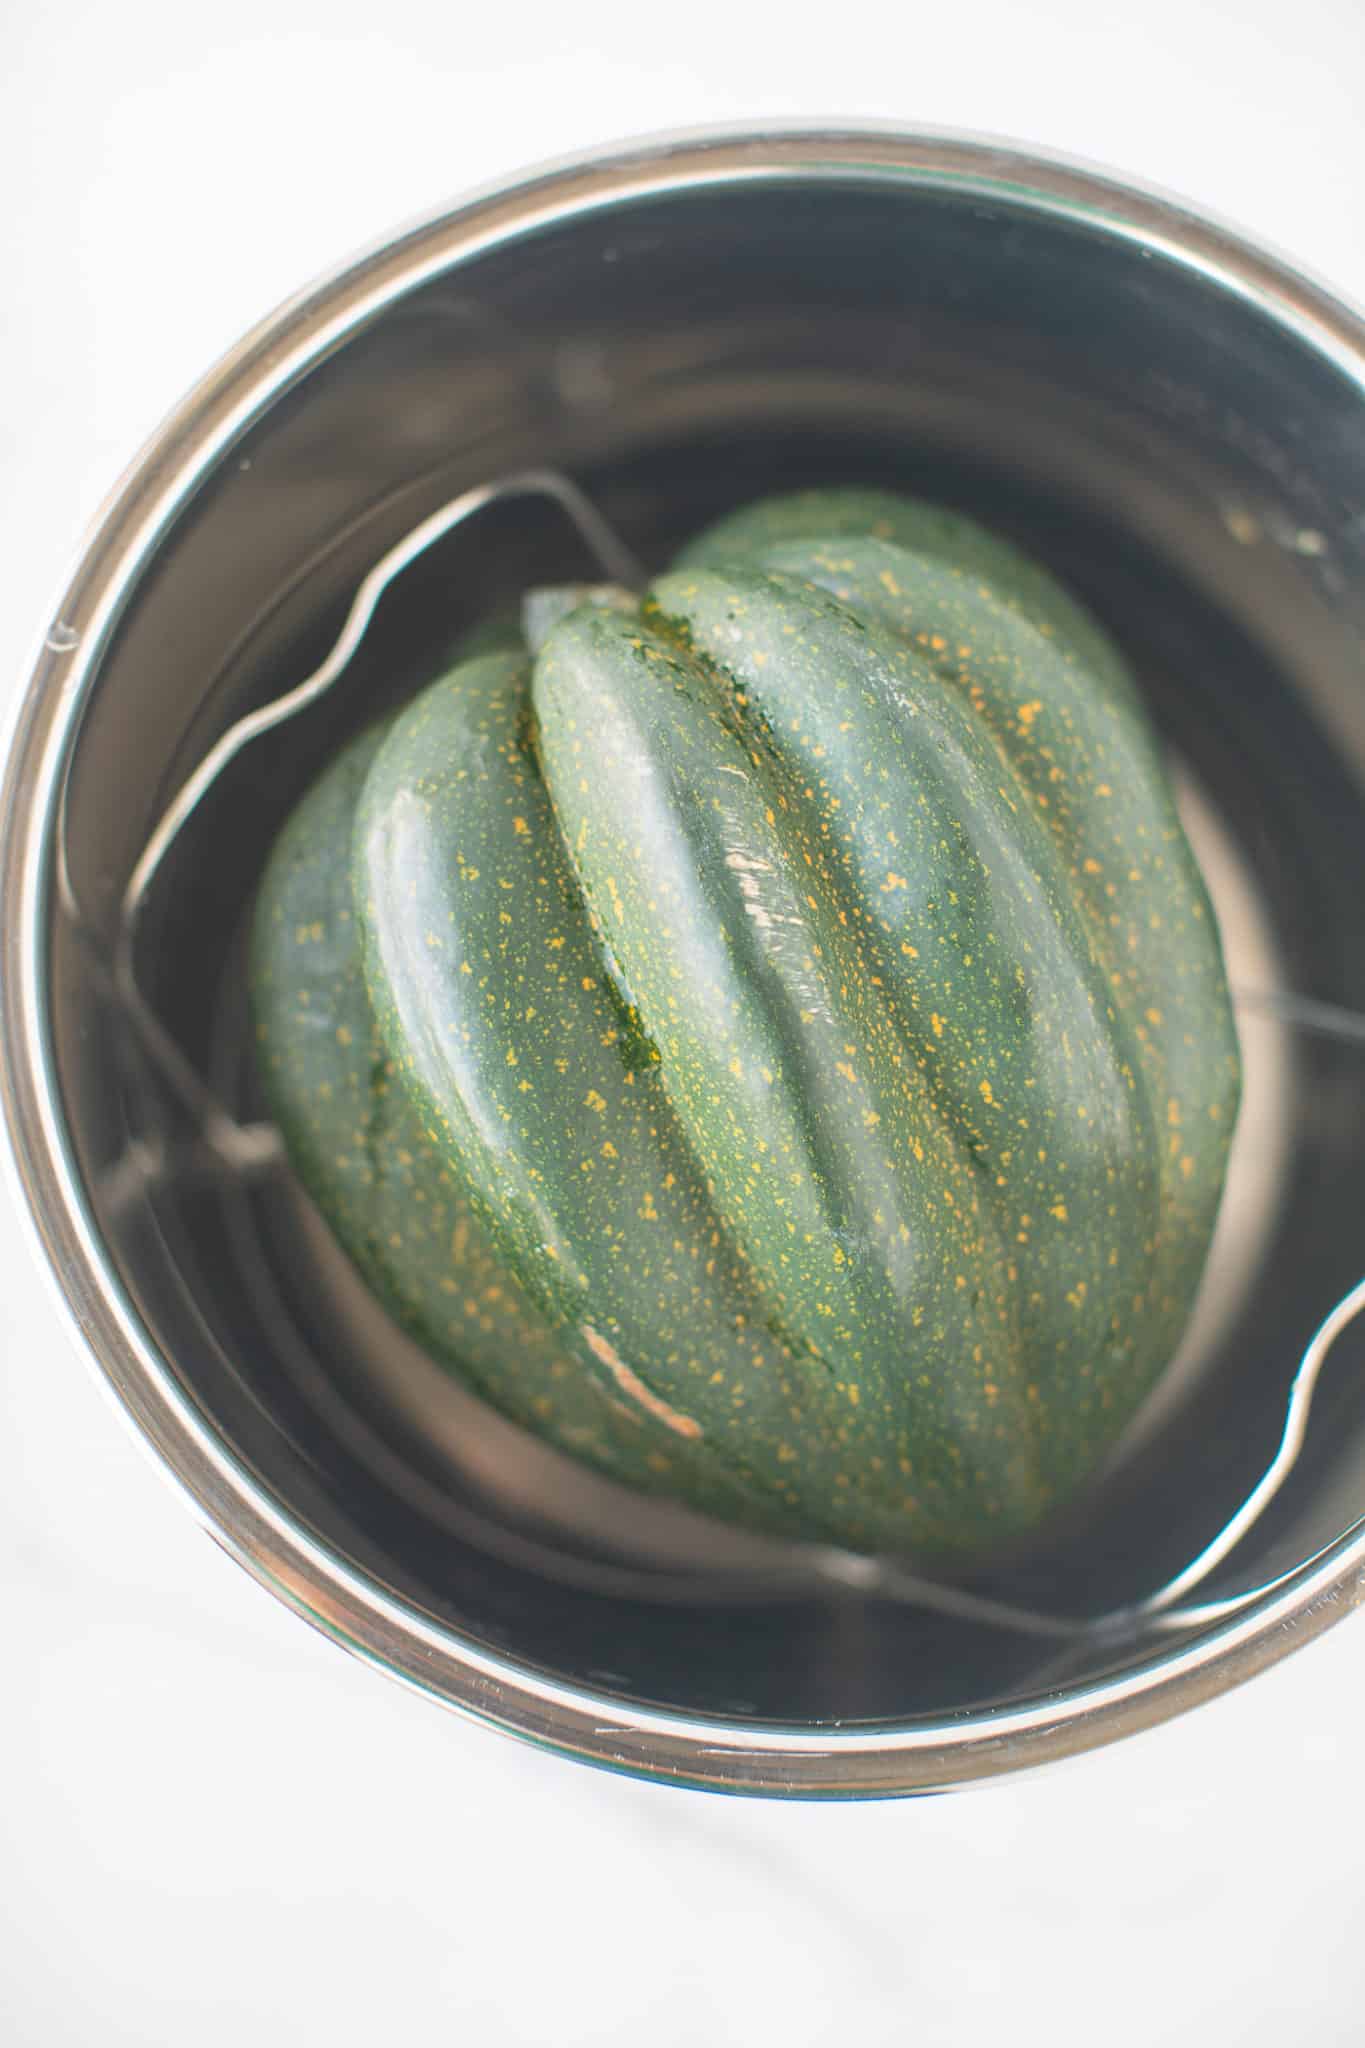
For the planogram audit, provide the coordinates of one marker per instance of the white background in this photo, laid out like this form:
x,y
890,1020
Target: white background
x,y
215,1828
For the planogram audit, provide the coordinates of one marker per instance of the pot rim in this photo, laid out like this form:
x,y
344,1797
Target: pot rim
x,y
244,1516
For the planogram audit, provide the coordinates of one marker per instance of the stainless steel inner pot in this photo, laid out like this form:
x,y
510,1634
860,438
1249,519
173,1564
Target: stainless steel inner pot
x,y
1172,419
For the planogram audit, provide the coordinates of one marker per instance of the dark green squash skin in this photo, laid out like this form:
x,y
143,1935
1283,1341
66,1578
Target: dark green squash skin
x,y
804,998
933,534
491,993
362,1152
352,1135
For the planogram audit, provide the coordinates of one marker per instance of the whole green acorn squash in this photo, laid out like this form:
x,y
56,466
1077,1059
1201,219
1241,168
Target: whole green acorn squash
x,y
772,1041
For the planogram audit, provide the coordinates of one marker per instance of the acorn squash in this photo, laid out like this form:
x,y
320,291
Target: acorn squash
x,y
772,1041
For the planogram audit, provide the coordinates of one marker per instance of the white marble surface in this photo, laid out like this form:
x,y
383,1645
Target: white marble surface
x,y
215,1827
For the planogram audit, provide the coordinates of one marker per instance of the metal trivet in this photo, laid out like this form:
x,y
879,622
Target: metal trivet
x,y
226,1147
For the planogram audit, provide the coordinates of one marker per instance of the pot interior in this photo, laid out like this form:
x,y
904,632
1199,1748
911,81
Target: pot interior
x,y
1185,463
